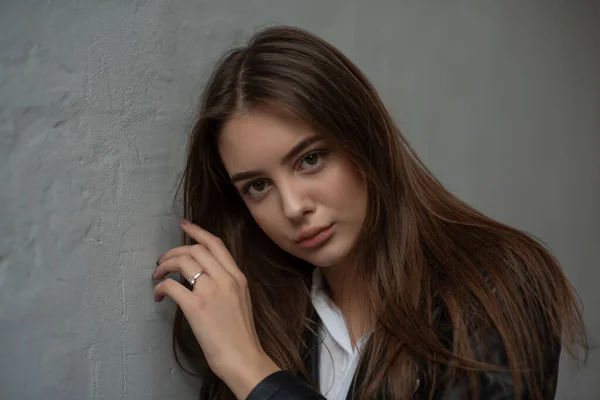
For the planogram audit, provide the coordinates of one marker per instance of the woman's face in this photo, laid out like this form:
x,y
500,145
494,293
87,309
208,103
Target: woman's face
x,y
299,188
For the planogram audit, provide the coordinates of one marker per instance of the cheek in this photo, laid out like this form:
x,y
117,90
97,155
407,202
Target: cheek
x,y
264,218
347,189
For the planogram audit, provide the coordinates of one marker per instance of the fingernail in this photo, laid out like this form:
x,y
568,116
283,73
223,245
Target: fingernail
x,y
184,222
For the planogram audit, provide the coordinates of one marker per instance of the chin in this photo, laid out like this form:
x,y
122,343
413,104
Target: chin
x,y
327,256
323,263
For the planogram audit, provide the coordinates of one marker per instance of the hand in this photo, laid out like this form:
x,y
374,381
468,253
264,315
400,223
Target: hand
x,y
218,308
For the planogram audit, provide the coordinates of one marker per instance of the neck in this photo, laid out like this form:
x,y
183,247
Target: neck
x,y
339,282
342,285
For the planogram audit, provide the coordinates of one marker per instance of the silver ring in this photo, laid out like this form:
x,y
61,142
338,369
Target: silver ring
x,y
192,280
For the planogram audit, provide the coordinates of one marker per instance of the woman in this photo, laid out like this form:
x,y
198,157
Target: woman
x,y
323,257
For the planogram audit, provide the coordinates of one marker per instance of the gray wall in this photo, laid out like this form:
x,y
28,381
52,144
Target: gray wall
x,y
501,99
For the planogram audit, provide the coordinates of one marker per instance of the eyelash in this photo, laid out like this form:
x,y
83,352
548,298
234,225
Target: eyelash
x,y
321,153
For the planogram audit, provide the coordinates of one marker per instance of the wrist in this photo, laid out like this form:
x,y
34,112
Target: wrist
x,y
247,375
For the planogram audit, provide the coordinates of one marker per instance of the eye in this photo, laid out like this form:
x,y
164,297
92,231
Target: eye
x,y
255,188
313,159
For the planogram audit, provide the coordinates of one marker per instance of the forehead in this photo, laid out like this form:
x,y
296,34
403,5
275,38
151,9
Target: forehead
x,y
258,139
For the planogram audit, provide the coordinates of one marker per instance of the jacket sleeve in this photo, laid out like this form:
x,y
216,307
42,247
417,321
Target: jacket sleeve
x,y
283,385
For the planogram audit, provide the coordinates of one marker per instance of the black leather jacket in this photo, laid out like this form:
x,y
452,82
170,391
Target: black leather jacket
x,y
284,385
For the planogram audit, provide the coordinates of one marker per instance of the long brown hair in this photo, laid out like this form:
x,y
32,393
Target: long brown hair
x,y
421,249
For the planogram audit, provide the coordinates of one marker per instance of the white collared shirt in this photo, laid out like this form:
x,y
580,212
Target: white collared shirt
x,y
336,370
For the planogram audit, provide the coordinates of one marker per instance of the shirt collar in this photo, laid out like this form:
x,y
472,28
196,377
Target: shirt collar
x,y
330,314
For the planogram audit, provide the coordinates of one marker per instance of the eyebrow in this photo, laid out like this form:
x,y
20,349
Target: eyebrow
x,y
299,147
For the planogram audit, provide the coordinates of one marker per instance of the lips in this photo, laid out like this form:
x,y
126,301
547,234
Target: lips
x,y
310,233
315,237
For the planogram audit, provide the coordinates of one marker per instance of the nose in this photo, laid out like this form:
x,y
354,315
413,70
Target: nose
x,y
295,201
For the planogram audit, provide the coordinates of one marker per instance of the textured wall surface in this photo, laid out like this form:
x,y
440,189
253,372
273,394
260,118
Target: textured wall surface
x,y
500,98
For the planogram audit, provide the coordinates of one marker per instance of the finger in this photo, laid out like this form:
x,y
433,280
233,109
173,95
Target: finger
x,y
175,252
214,245
184,264
200,254
174,290
207,261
